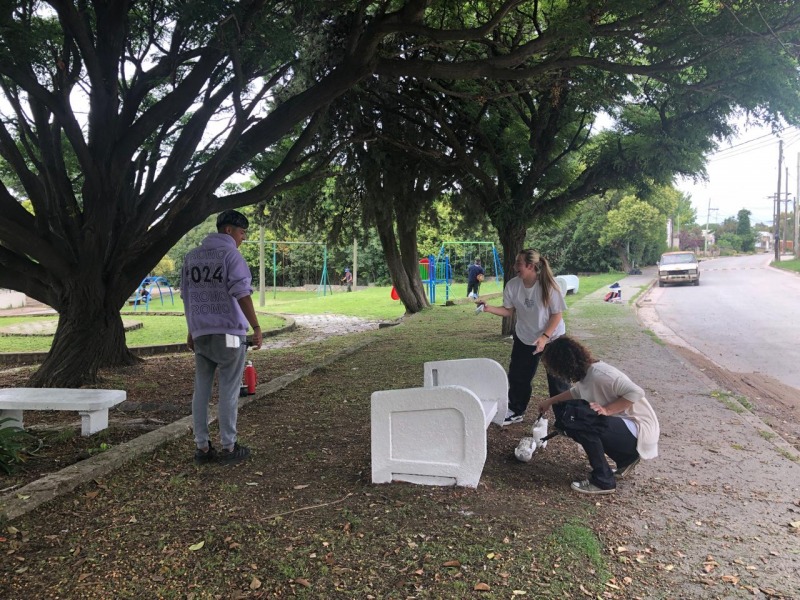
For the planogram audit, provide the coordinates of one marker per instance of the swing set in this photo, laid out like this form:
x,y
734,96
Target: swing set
x,y
440,269
324,288
145,292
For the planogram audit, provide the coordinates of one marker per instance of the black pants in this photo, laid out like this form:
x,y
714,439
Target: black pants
x,y
616,441
473,286
521,371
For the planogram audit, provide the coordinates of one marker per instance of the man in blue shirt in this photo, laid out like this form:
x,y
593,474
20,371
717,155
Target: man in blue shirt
x,y
475,275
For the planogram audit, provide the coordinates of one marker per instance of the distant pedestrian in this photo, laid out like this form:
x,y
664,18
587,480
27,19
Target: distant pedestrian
x,y
216,291
475,275
348,279
631,431
535,298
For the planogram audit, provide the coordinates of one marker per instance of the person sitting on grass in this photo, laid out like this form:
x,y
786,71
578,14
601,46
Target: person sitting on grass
x,y
632,429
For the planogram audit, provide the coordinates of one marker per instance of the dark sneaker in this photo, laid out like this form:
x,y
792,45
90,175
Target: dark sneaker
x,y
238,454
512,417
587,487
208,456
623,472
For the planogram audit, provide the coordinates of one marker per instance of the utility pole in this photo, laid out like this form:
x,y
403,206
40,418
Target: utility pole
x,y
776,221
786,213
705,237
796,220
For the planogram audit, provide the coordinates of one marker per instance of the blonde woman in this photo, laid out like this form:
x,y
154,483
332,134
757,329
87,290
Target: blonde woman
x,y
535,297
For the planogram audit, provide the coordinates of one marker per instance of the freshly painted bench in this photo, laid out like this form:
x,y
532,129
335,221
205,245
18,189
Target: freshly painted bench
x,y
568,283
92,405
436,435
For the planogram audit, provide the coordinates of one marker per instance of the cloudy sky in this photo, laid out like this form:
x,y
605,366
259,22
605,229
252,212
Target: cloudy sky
x,y
744,174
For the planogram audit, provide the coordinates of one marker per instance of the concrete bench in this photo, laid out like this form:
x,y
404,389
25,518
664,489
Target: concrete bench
x,y
568,284
485,377
92,405
436,435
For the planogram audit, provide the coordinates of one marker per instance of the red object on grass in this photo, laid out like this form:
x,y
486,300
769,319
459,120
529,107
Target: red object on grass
x,y
250,378
395,295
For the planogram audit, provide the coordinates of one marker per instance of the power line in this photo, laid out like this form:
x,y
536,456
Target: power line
x,y
759,143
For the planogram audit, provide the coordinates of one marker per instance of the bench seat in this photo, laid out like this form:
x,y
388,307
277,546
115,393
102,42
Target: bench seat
x,y
92,405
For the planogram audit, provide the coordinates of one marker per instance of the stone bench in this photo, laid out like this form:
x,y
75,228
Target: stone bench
x,y
436,435
92,405
568,284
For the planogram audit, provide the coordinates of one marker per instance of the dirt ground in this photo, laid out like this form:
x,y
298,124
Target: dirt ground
x,y
159,391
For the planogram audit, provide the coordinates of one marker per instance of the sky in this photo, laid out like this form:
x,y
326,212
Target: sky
x,y
744,174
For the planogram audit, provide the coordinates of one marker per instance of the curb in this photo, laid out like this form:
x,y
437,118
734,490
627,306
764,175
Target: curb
x,y
21,359
19,502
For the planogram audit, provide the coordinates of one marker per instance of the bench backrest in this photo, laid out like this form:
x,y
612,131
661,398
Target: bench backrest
x,y
484,377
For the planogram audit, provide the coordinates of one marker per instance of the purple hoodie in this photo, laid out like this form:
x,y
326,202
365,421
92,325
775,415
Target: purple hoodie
x,y
213,278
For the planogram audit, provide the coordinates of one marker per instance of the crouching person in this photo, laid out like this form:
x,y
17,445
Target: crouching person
x,y
631,431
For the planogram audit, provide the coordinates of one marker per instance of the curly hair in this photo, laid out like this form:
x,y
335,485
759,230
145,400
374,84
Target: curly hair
x,y
568,359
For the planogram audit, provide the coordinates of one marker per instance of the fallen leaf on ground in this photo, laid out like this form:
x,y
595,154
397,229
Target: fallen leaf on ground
x,y
481,587
301,486
255,583
451,563
303,582
197,546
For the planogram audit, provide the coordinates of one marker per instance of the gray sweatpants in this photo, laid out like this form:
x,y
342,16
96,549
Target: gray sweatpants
x,y
210,354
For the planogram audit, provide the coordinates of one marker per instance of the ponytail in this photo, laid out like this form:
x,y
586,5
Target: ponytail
x,y
544,275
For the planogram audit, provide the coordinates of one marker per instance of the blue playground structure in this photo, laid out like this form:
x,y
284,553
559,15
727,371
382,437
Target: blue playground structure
x,y
145,292
441,269
447,263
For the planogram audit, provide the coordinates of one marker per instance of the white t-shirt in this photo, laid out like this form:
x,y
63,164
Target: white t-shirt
x,y
603,384
532,314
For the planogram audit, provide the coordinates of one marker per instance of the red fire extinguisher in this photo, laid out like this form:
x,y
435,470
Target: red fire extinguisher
x,y
250,378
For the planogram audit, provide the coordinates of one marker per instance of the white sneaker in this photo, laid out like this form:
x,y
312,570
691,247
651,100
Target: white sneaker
x,y
512,417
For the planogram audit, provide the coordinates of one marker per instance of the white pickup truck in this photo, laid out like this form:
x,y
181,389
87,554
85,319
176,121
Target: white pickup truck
x,y
678,267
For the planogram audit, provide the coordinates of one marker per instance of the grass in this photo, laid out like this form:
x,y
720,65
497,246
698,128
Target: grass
x,y
372,303
788,265
735,402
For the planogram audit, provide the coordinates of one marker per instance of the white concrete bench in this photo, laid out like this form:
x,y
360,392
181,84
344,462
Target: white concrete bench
x,y
568,283
92,405
436,435
485,377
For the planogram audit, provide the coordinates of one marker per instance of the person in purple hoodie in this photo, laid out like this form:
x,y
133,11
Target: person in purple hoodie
x,y
215,287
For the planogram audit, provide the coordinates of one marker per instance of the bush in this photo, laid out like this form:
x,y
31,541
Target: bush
x,y
13,444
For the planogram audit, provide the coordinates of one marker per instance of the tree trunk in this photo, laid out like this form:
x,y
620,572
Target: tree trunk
x,y
624,258
512,237
90,334
406,280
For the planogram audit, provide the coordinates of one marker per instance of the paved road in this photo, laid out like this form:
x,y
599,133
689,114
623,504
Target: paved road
x,y
743,316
